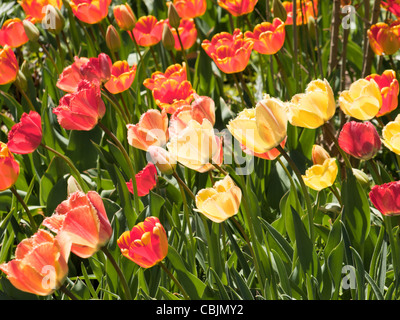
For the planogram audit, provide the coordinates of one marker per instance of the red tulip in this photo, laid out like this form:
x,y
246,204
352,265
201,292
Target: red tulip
x,y
148,31
230,52
82,109
97,69
12,33
71,76
386,198
359,139
187,32
9,168
90,11
122,77
25,136
389,87
189,9
83,218
146,244
238,7
8,65
268,37
146,180
384,38
175,71
393,6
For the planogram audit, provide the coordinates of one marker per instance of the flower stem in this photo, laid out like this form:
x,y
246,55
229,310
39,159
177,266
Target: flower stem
x,y
50,57
161,264
220,169
183,53
183,184
68,293
28,212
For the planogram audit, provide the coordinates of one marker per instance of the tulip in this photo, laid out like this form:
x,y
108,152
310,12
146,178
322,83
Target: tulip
x,y
113,40
238,7
362,101
53,21
8,65
314,107
319,154
83,218
40,265
230,52
321,176
220,202
201,108
71,76
12,33
34,8
168,39
279,10
146,180
25,136
148,31
124,17
31,31
269,155
304,10
146,244
391,134
97,69
162,159
82,109
190,9
187,33
122,77
197,146
393,6
152,129
359,139
389,87
90,11
9,168
173,17
173,94
384,38
175,71
386,198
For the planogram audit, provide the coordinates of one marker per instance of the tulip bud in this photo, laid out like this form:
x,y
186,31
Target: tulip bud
x,y
311,27
168,39
124,17
162,159
31,31
173,16
319,154
361,177
113,40
53,20
279,10
73,185
21,81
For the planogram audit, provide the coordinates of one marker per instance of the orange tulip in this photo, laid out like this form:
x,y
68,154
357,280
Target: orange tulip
x,y
34,8
175,71
268,37
187,32
122,77
384,38
146,244
12,33
8,65
9,168
151,130
90,11
189,9
303,13
230,52
83,218
238,7
148,31
40,265
124,17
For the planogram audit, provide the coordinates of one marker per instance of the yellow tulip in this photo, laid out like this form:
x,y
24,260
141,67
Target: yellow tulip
x,y
220,202
314,107
391,135
362,101
321,176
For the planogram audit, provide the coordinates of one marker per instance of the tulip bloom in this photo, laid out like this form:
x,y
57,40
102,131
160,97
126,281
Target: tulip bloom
x,y
262,128
197,147
321,176
386,198
230,52
83,218
146,244
269,155
220,202
362,101
148,31
71,76
201,108
40,265
97,69
393,6
268,37
152,129
82,109
303,13
176,72
314,107
162,159
8,65
173,94
34,8
122,77
124,17
12,33
389,87
90,11
25,136
319,154
360,139
9,168
190,9
384,38
390,135
187,33
238,7
146,180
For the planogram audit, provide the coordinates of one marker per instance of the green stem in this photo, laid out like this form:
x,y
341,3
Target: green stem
x,y
183,184
239,89
28,212
68,293
291,182
117,108
31,106
394,247
50,57
335,141
183,54
155,58
119,271
220,169
161,264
